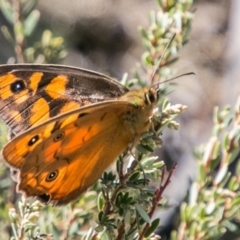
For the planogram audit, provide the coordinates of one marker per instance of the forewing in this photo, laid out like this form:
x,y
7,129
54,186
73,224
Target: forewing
x,y
31,94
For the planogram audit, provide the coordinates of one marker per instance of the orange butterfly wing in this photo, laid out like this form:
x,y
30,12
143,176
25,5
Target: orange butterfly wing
x,y
64,156
31,94
57,158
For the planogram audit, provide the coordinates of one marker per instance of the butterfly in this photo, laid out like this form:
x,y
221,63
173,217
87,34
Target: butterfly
x,y
67,125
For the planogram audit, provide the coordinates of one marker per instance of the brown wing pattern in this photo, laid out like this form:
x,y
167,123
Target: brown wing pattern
x,y
31,94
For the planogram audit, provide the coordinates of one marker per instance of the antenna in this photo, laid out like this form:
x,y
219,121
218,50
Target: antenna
x,y
159,63
160,60
173,78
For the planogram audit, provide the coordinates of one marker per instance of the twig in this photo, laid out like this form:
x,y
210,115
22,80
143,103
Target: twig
x,y
158,196
19,38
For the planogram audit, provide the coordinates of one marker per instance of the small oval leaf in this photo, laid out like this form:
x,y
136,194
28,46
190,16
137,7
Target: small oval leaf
x,y
143,213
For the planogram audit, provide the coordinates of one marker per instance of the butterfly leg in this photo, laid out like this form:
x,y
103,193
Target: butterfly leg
x,y
133,144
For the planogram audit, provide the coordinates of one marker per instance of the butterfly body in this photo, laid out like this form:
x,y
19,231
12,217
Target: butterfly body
x,y
59,158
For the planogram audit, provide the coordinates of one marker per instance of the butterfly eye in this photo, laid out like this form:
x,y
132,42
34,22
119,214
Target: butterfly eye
x,y
33,140
151,96
17,86
52,176
59,137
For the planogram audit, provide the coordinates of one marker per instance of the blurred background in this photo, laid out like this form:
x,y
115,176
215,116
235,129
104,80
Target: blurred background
x,y
102,35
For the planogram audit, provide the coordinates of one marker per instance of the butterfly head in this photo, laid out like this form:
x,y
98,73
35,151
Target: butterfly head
x,y
145,97
152,96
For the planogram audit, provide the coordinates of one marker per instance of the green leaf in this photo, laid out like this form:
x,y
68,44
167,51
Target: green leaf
x,y
31,22
7,10
193,194
29,6
154,225
148,162
100,216
144,148
134,176
7,35
221,174
100,201
142,213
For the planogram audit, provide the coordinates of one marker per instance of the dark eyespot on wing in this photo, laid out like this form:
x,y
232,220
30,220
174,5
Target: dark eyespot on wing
x,y
44,198
52,176
17,86
82,114
59,136
33,140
